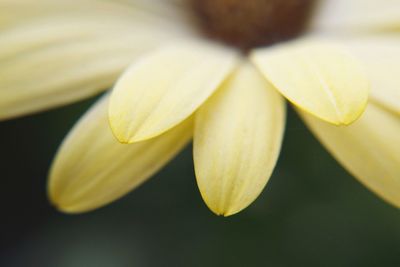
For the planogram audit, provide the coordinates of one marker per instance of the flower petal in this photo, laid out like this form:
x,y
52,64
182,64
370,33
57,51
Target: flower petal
x,y
53,61
164,88
238,134
155,13
369,149
317,76
92,168
381,58
357,15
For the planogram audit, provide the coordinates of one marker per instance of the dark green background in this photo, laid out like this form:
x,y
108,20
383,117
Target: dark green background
x,y
312,212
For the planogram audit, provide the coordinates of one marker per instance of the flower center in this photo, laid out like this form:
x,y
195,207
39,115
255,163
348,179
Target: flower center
x,y
252,23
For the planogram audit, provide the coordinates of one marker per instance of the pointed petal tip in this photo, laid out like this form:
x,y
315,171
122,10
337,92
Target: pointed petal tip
x,y
229,213
70,210
63,203
124,138
91,169
60,206
224,212
344,120
238,133
158,92
56,201
135,138
351,117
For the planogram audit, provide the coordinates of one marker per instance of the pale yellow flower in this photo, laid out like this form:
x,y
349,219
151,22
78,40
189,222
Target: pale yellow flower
x,y
173,83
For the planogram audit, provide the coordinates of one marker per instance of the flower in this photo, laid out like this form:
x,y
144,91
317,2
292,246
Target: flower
x,y
174,83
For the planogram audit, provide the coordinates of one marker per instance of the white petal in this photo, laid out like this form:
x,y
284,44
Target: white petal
x,y
238,134
164,14
165,87
369,149
53,61
92,168
357,15
318,76
381,59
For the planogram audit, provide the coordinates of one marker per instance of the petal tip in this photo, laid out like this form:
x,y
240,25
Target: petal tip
x,y
119,135
56,203
139,135
353,116
63,205
344,118
317,76
229,213
223,210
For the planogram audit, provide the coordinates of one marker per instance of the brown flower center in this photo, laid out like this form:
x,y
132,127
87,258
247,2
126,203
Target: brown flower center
x,y
252,23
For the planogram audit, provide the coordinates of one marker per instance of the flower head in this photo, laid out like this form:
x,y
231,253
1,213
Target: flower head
x,y
212,70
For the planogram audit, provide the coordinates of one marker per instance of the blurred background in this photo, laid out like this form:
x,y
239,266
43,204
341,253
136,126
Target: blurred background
x,y
312,212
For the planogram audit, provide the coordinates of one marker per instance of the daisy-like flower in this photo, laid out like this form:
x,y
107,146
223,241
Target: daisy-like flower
x,y
214,70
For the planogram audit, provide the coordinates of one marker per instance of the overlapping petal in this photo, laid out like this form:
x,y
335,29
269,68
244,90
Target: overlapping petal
x,y
92,168
165,87
380,56
237,140
53,61
320,77
368,149
55,52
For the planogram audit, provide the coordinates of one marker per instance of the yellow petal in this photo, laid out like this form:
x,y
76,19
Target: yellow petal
x,y
357,15
238,134
380,57
317,76
53,61
92,168
368,149
165,87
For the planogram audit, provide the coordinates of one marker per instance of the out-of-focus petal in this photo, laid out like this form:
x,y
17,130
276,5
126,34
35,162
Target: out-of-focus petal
x,y
56,60
92,168
357,15
368,149
380,57
165,14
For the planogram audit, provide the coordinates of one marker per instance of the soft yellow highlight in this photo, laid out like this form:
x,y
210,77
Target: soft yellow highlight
x,y
368,149
237,140
381,58
318,77
159,13
53,52
92,169
164,88
357,16
54,61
